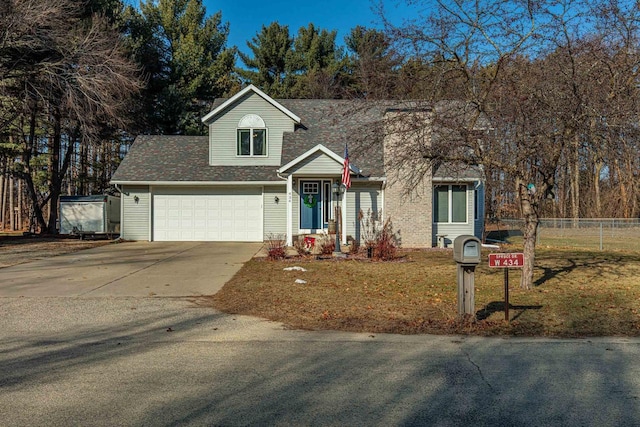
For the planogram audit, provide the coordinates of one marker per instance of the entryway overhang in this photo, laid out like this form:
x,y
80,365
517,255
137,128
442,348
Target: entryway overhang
x,y
314,168
319,161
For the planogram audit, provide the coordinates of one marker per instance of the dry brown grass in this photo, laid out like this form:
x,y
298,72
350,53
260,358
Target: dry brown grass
x,y
577,293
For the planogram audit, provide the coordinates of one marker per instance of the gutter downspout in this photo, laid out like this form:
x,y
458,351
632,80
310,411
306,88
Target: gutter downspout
x,y
120,190
121,208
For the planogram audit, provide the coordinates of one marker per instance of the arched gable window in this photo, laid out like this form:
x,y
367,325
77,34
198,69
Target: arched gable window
x,y
252,136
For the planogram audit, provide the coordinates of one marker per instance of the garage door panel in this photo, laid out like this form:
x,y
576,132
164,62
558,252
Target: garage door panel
x,y
211,215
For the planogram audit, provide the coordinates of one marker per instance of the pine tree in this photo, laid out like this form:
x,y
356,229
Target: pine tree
x,y
184,57
270,69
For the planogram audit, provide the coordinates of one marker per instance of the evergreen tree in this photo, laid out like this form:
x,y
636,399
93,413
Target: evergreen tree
x,y
319,64
184,57
309,65
372,62
270,69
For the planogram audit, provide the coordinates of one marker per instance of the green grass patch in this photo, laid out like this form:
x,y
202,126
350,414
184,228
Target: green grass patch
x,y
577,293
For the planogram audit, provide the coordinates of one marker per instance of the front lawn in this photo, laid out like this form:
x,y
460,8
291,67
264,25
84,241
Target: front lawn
x,y
577,293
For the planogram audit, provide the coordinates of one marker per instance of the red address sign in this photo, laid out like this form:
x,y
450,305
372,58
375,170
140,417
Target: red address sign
x,y
508,260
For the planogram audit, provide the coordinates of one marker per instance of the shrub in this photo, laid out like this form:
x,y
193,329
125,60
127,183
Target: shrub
x,y
379,239
276,246
369,227
386,244
327,245
300,247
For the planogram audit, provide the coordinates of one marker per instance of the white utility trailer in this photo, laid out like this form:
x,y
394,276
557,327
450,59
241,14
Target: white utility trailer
x,y
90,215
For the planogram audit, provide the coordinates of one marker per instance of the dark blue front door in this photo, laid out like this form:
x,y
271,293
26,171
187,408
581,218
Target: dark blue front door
x,y
310,205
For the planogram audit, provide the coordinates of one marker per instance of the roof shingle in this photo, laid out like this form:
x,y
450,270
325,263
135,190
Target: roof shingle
x,y
163,158
331,123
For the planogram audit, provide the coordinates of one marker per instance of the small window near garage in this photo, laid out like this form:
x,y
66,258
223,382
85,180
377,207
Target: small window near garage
x,y
252,136
450,203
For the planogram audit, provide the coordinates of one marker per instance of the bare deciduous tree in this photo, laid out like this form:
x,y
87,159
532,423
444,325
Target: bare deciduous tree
x,y
541,96
65,81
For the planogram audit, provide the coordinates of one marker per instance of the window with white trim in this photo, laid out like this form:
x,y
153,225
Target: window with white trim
x,y
450,203
310,187
252,136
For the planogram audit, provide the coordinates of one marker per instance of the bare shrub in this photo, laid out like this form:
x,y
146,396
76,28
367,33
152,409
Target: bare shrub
x,y
276,246
386,244
370,226
378,236
326,245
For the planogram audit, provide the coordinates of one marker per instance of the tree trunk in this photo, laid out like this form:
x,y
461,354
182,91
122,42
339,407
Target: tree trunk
x,y
596,188
622,188
55,183
28,152
20,207
633,193
83,170
11,206
562,191
95,176
3,190
530,233
575,180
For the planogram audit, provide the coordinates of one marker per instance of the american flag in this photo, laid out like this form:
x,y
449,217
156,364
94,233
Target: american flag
x,y
346,176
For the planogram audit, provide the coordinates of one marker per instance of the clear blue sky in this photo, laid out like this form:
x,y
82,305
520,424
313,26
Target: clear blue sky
x,y
246,17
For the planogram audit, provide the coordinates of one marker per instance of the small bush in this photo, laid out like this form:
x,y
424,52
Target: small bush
x,y
276,246
327,245
354,245
386,244
379,239
369,227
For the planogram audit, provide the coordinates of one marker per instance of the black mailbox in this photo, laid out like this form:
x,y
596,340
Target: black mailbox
x,y
467,250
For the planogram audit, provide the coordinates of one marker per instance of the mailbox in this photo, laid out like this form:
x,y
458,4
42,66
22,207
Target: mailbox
x,y
466,253
467,250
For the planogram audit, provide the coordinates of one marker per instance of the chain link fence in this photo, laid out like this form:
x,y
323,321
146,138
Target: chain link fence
x,y
593,233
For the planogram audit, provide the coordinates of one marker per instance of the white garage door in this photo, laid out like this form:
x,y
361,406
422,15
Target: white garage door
x,y
207,216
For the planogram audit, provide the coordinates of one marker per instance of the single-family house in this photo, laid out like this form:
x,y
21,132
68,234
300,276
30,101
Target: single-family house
x,y
267,167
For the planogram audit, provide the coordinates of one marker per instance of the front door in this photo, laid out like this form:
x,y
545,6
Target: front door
x,y
311,205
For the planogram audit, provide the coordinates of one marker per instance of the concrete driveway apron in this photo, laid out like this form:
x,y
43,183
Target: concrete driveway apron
x,y
130,269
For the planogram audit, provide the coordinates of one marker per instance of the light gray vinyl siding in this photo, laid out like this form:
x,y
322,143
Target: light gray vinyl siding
x,y
275,213
223,133
318,164
453,230
361,196
135,214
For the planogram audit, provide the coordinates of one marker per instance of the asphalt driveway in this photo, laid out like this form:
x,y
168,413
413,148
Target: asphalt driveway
x,y
169,269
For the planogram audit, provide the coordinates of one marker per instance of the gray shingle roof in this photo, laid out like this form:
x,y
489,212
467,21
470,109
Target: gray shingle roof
x,y
447,172
332,123
335,123
154,158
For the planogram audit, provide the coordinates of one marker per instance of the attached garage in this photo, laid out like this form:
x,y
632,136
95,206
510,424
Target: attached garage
x,y
207,214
